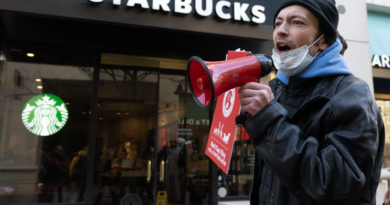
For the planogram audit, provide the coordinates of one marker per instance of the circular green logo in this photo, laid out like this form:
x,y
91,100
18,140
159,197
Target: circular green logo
x,y
45,114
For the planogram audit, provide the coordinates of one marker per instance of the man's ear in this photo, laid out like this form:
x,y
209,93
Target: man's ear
x,y
323,44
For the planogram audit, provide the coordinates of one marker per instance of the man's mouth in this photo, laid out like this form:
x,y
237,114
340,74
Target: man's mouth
x,y
282,48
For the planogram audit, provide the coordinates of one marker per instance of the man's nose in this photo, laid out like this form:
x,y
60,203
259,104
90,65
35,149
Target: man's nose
x,y
282,30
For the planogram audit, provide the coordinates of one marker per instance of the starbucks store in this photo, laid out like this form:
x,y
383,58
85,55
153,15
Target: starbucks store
x,y
95,106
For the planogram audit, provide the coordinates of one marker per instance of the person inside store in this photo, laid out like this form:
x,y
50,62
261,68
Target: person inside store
x,y
317,131
56,167
106,175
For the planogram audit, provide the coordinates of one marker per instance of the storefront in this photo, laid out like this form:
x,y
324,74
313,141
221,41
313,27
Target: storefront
x,y
378,22
95,106
378,15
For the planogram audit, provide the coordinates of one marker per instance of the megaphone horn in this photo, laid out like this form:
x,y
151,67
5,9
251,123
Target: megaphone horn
x,y
209,79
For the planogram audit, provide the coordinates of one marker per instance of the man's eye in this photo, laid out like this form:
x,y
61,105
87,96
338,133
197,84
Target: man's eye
x,y
297,22
278,23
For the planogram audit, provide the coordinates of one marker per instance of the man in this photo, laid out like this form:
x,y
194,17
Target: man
x,y
317,131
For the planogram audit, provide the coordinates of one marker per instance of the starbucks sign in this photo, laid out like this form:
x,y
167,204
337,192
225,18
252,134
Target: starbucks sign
x,y
45,114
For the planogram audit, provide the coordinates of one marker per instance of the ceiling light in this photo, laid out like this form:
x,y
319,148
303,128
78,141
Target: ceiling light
x,y
30,54
38,80
83,113
39,87
67,103
119,113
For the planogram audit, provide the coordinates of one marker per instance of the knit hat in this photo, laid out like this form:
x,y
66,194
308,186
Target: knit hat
x,y
325,11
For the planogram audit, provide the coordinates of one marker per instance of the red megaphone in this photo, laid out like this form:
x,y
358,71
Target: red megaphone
x,y
210,79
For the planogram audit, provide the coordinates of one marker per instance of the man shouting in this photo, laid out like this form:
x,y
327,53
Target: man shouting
x,y
317,131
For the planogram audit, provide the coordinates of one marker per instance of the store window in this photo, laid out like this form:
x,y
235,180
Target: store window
x,y
384,106
44,124
151,134
127,111
183,133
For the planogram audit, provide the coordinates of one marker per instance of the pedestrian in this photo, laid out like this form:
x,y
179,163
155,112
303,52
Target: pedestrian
x,y
317,131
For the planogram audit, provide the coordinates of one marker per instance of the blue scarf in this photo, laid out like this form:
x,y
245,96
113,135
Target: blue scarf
x,y
329,62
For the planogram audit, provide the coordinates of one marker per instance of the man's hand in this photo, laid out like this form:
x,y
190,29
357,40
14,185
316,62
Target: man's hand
x,y
387,197
254,97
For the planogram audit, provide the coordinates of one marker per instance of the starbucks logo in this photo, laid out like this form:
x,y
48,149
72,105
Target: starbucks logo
x,y
45,114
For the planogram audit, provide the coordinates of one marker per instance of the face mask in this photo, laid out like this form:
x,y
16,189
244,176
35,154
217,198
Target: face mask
x,y
295,61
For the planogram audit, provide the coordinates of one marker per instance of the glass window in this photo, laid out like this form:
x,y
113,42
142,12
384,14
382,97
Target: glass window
x,y
384,106
44,124
183,132
127,112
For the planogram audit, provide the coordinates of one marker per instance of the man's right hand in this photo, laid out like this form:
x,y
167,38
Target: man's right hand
x,y
254,97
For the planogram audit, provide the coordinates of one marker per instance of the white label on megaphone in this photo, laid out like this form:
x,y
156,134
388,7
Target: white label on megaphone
x,y
228,102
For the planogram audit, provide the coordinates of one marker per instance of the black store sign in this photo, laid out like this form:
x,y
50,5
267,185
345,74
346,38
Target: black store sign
x,y
239,18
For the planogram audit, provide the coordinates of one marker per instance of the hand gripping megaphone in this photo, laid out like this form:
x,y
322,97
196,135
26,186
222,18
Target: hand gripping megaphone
x,y
209,79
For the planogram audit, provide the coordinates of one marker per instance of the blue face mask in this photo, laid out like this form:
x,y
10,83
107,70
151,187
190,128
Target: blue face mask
x,y
294,62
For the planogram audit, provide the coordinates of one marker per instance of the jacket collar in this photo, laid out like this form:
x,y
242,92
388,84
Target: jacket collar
x,y
323,87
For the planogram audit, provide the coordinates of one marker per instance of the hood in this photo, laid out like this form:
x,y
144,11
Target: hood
x,y
329,62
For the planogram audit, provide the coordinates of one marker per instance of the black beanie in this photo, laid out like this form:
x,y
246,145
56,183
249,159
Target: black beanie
x,y
325,11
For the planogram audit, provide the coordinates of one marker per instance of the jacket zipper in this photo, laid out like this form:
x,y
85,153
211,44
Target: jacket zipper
x,y
270,188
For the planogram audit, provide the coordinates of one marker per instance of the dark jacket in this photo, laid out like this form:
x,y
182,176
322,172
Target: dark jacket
x,y
320,141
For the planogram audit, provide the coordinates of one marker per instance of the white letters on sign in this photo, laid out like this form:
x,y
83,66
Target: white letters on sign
x,y
382,61
207,11
205,8
162,3
183,6
219,11
258,16
239,11
144,3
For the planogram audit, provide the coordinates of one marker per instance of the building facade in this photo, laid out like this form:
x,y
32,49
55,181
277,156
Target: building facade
x,y
378,14
95,106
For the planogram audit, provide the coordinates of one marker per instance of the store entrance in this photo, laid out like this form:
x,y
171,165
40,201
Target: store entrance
x,y
151,134
127,110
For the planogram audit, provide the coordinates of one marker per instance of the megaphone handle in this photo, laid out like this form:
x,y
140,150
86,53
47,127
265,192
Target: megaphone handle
x,y
249,81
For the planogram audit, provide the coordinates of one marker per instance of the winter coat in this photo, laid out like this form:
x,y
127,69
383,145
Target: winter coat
x,y
320,141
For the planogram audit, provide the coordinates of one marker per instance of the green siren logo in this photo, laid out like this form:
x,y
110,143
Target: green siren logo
x,y
45,114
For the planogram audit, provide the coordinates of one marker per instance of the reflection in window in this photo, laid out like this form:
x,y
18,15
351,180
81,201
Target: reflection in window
x,y
43,141
183,133
126,134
